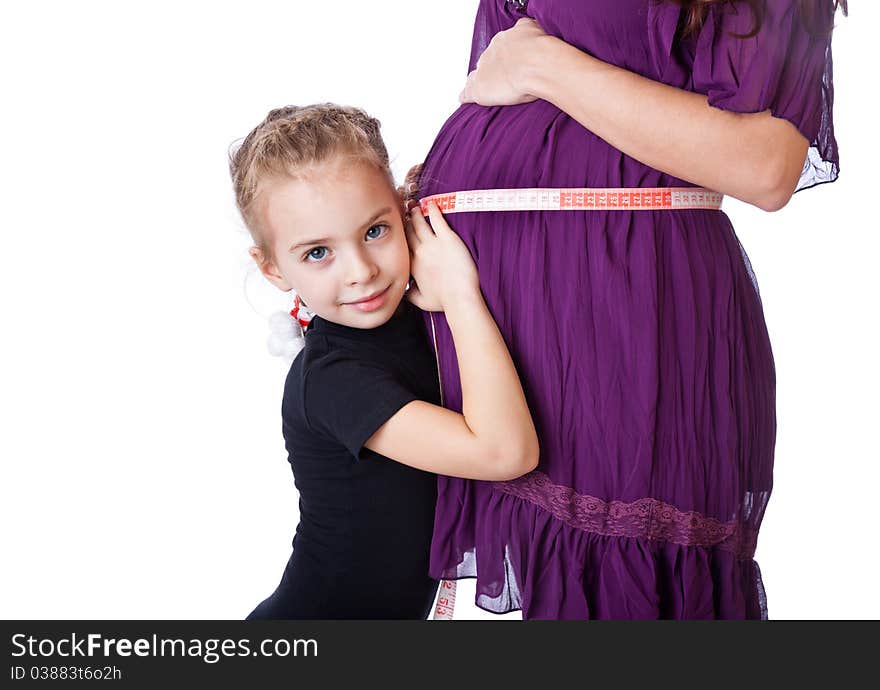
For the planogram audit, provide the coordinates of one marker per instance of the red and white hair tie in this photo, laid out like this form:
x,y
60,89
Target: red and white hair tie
x,y
301,312
287,330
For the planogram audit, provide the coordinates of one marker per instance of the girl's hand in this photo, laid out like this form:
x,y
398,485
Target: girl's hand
x,y
442,266
502,70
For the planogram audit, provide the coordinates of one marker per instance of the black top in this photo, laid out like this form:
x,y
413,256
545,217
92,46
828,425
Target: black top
x,y
363,542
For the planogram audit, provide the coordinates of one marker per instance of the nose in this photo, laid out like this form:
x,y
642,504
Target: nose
x,y
361,268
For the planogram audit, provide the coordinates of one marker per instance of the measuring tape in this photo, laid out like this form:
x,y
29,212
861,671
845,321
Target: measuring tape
x,y
445,601
577,199
445,607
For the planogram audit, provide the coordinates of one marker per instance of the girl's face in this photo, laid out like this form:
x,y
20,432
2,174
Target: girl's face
x,y
338,240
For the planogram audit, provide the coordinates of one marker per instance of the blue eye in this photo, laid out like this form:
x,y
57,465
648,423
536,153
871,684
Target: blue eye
x,y
377,231
316,254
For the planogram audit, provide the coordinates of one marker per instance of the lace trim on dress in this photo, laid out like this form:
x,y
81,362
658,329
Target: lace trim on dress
x,y
646,517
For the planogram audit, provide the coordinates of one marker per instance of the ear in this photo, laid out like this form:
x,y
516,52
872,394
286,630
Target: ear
x,y
269,269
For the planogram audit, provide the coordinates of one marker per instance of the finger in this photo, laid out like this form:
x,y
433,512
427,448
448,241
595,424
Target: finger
x,y
412,237
466,95
438,222
420,225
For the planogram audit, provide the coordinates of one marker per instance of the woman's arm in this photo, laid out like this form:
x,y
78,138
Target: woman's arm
x,y
494,438
757,158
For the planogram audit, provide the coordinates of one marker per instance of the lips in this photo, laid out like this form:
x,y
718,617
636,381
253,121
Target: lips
x,y
368,297
370,302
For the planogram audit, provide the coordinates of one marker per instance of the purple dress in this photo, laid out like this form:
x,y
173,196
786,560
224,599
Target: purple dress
x,y
639,336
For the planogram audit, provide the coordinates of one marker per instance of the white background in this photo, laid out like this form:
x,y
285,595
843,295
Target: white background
x,y
143,469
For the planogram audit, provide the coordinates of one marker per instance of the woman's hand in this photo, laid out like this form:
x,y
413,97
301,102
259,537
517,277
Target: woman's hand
x,y
502,70
442,266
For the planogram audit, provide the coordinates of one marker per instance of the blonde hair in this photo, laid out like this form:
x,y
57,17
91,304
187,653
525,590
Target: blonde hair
x,y
293,139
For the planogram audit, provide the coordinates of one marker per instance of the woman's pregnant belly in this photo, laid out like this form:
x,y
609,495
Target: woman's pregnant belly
x,y
599,308
530,145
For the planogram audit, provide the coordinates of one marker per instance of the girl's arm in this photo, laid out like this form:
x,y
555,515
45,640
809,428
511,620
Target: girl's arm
x,y
494,438
756,158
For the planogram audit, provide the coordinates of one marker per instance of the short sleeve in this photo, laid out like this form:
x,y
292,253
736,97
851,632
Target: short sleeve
x,y
785,68
347,399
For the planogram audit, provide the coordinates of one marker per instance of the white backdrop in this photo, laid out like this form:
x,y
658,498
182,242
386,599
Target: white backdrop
x,y
143,469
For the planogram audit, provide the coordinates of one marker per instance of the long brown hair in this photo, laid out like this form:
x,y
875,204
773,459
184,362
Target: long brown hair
x,y
696,11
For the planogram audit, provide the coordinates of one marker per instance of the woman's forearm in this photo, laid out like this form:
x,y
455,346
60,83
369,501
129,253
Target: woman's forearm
x,y
753,157
493,403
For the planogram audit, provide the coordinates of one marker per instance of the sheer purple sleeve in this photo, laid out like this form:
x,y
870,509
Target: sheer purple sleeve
x,y
784,68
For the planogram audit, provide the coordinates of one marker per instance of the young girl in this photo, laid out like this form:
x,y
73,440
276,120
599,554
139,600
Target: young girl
x,y
362,420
